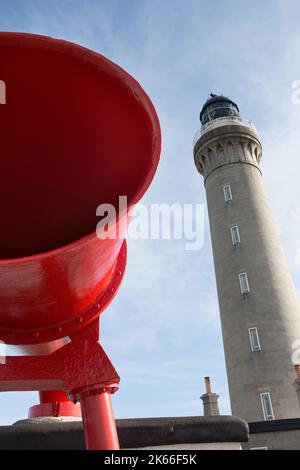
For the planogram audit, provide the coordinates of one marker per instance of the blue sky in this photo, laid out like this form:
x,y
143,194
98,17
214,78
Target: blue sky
x,y
163,332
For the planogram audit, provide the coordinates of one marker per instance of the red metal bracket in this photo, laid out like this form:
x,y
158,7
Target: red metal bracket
x,y
83,371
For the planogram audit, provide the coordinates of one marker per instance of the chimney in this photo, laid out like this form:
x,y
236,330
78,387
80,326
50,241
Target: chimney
x,y
210,400
297,381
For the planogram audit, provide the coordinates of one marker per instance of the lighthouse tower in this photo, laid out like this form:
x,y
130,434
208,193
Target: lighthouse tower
x,y
259,308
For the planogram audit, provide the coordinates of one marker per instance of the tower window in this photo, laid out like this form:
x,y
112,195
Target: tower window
x,y
254,339
227,193
266,404
235,235
245,289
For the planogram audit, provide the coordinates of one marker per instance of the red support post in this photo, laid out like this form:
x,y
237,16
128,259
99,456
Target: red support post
x,y
98,420
54,403
53,396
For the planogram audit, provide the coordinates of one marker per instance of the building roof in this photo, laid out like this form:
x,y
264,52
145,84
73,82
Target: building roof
x,y
133,433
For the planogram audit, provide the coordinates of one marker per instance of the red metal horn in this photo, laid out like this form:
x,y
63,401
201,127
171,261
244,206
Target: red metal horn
x,y
76,131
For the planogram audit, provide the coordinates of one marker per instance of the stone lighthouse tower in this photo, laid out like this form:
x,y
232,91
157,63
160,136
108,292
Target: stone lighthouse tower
x,y
260,312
